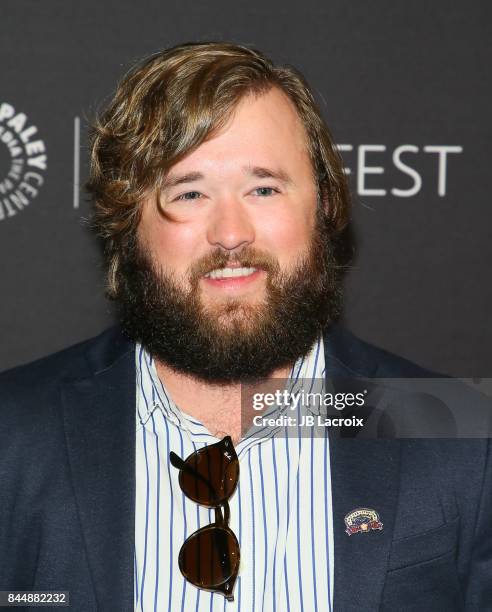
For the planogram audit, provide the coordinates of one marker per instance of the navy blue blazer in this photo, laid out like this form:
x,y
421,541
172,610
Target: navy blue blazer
x,y
67,488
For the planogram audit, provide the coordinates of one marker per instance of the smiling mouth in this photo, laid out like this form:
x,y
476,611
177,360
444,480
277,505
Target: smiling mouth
x,y
225,273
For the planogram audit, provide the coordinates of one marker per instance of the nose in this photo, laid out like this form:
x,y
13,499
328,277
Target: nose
x,y
230,225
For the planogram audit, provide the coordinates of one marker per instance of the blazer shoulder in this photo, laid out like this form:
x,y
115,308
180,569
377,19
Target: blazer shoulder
x,y
36,382
365,359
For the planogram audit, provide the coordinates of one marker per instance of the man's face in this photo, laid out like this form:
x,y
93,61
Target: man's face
x,y
231,277
251,187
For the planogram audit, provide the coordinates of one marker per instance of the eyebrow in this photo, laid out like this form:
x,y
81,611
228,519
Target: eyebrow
x,y
179,179
257,171
261,172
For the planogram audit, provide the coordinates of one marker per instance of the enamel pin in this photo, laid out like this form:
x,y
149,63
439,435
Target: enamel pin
x,y
362,520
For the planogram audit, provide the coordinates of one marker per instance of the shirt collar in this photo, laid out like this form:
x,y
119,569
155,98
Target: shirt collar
x,y
308,374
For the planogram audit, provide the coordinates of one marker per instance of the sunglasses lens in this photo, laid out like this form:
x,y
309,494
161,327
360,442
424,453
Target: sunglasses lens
x,y
209,559
213,475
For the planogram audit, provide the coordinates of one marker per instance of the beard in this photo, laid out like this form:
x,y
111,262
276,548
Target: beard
x,y
230,340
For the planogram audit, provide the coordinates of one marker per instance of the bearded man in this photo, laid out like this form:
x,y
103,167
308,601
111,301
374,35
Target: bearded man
x,y
131,476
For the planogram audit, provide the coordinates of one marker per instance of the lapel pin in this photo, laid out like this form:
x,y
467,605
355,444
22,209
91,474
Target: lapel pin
x,y
362,520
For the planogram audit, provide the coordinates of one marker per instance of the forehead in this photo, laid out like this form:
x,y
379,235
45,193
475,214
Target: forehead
x,y
262,129
272,110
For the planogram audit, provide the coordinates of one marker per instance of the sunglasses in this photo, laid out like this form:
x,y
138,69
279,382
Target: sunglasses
x,y
209,557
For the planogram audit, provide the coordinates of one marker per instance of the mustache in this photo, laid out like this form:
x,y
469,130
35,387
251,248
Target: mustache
x,y
246,258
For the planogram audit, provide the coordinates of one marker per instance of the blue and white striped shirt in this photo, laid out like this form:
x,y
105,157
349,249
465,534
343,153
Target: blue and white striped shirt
x,y
281,510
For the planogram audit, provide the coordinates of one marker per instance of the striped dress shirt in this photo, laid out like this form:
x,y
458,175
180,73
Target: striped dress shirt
x,y
281,510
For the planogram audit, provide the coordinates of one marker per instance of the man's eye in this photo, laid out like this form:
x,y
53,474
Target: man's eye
x,y
266,191
189,195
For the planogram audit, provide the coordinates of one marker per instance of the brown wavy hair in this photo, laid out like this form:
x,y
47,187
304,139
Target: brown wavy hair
x,y
167,106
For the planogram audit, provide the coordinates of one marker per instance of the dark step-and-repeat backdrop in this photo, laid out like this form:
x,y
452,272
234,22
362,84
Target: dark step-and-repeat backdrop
x,y
405,88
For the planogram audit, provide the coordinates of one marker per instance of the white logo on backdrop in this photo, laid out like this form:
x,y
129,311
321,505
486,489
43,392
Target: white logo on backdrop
x,y
24,174
403,158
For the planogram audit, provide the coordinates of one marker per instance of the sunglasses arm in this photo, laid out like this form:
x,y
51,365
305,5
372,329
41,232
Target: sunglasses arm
x,y
178,463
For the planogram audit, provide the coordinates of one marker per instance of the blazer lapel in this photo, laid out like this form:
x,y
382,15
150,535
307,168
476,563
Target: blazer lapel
x,y
365,474
99,421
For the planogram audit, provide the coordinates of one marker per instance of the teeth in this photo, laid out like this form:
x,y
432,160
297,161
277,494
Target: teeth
x,y
230,272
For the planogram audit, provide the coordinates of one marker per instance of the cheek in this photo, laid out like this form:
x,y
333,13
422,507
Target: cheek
x,y
172,244
288,234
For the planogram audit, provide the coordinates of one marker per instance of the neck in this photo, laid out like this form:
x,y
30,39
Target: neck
x,y
224,409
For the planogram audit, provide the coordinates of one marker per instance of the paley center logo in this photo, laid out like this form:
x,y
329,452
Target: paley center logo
x,y
23,161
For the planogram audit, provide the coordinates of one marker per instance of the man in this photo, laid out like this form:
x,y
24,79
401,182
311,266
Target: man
x,y
222,206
